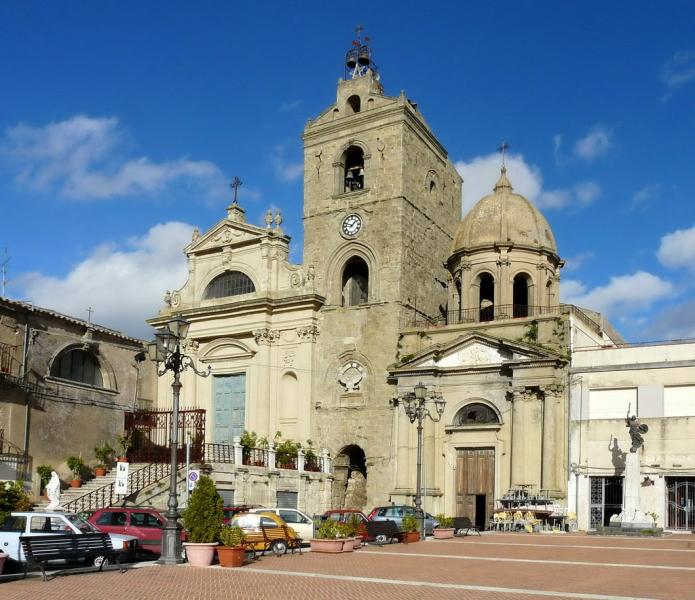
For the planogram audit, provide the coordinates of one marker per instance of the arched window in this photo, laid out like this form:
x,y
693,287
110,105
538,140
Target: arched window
x,y
549,295
520,296
78,365
353,104
476,413
486,300
355,282
353,159
231,283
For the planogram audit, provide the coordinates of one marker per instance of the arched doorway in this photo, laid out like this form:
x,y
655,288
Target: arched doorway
x,y
520,295
350,483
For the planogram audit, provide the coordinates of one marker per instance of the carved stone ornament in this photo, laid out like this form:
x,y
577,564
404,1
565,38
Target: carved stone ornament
x,y
288,358
350,375
308,333
175,299
297,279
190,345
266,336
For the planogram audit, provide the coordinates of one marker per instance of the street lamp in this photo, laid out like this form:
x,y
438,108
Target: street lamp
x,y
165,350
417,406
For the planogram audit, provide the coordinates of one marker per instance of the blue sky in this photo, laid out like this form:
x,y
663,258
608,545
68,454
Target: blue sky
x,y
122,123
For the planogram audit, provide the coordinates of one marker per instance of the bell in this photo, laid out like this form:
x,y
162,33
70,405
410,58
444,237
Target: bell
x,y
351,59
364,57
360,173
349,175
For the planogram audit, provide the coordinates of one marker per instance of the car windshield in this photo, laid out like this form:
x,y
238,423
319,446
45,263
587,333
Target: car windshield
x,y
81,524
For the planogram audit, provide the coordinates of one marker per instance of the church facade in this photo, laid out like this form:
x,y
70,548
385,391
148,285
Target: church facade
x,y
395,289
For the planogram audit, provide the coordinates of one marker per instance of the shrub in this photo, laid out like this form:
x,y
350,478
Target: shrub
x,y
103,454
203,517
12,497
125,441
444,521
75,464
249,440
331,530
233,537
410,523
44,473
352,525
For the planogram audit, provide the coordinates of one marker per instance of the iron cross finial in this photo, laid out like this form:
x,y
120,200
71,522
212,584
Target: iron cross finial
x,y
90,310
504,146
235,186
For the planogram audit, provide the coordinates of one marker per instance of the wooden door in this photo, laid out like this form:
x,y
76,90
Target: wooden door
x,y
230,407
475,475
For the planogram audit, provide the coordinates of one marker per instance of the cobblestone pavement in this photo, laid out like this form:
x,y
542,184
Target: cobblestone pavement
x,y
491,567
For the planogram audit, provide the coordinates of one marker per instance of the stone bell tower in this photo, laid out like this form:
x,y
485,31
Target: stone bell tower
x,y
381,203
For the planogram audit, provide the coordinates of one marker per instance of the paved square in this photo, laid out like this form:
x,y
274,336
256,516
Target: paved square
x,y
491,567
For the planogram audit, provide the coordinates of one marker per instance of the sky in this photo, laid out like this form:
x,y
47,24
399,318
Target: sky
x,y
123,123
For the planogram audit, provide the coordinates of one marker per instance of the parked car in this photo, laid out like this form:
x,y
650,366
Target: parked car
x,y
54,523
145,524
302,523
344,515
230,511
396,512
272,523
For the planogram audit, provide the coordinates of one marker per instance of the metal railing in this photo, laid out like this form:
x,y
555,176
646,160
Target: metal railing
x,y
313,463
6,357
106,495
255,457
496,312
283,461
221,453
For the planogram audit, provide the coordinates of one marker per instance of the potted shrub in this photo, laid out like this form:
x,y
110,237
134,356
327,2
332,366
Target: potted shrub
x,y
248,441
410,532
75,464
311,461
286,454
103,455
44,473
331,537
125,441
202,519
352,529
232,552
445,529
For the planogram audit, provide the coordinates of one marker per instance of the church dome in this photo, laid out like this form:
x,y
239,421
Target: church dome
x,y
504,217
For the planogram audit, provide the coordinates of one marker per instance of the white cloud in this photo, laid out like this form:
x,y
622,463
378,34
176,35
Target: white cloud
x,y
574,263
646,195
285,170
623,294
678,70
677,322
677,249
124,284
594,144
481,173
78,158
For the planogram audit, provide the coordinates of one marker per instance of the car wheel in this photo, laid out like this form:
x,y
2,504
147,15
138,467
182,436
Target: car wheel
x,y
279,547
380,539
101,561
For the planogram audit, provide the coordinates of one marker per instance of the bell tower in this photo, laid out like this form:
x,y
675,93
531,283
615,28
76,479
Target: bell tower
x,y
381,204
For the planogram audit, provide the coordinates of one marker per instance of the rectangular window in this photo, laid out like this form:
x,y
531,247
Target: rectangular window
x,y
287,499
679,401
227,496
612,403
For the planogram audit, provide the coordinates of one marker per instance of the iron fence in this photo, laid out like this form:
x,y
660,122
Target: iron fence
x,y
255,457
221,453
151,432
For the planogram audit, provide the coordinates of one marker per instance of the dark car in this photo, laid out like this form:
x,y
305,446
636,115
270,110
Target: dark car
x,y
144,523
396,512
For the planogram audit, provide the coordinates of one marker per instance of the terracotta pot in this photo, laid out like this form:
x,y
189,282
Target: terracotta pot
x,y
75,483
99,471
122,459
411,536
348,544
3,558
443,533
200,555
330,546
358,542
231,557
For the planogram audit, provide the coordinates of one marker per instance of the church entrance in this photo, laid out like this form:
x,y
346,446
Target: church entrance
x,y
350,478
475,484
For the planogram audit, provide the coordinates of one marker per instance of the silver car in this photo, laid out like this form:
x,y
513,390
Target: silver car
x,y
396,512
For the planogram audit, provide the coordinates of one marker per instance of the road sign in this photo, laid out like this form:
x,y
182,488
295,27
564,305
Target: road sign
x,y
193,476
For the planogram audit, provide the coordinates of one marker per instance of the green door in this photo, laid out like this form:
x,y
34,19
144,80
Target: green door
x,y
230,407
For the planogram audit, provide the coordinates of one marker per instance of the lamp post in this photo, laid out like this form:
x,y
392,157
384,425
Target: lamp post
x,y
166,352
417,406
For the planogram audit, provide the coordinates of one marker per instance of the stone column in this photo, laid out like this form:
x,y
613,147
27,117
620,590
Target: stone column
x,y
526,437
300,460
553,439
402,450
271,455
238,451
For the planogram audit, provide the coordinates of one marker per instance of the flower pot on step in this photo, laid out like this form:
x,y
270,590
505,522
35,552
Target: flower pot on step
x,y
231,557
99,471
75,483
200,555
443,533
332,546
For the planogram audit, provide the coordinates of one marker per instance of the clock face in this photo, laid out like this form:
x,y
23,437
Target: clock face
x,y
352,225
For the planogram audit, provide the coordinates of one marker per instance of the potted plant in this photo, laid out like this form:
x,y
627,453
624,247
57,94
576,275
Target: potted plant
x,y
44,473
331,537
75,464
103,455
445,529
232,552
311,461
352,530
202,519
125,441
248,442
410,532
286,454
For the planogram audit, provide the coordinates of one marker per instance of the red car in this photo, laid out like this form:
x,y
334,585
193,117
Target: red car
x,y
144,523
343,515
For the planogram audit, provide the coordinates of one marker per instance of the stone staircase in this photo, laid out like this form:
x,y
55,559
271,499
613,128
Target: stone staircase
x,y
71,494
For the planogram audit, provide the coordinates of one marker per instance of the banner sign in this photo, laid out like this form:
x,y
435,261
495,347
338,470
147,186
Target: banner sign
x,y
122,478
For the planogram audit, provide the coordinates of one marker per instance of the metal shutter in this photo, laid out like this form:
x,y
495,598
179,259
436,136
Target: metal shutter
x,y
227,496
287,499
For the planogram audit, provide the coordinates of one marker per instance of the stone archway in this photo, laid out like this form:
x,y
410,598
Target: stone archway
x,y
350,483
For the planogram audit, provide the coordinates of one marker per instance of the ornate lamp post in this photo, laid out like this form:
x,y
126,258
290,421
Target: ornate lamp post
x,y
166,352
417,406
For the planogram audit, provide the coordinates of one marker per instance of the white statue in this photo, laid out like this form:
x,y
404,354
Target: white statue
x,y
53,492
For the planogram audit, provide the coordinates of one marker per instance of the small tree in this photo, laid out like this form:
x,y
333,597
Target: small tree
x,y
203,517
44,473
75,464
232,537
125,441
103,454
410,523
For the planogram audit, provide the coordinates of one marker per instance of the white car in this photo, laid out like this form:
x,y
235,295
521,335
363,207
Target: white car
x,y
54,523
296,519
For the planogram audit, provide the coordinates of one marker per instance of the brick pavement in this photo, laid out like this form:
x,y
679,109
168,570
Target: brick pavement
x,y
473,568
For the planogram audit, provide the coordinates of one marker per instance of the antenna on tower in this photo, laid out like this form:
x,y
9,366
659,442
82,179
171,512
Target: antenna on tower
x,y
4,265
358,59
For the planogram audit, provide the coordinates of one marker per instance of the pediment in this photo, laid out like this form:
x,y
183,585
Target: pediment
x,y
475,350
225,349
226,233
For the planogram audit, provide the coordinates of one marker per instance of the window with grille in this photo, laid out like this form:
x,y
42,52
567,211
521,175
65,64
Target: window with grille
x,y
231,283
475,413
78,365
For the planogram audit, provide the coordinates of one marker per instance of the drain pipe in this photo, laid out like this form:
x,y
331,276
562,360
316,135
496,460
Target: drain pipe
x,y
22,375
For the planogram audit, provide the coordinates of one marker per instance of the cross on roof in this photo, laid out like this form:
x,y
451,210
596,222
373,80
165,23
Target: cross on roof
x,y
235,186
504,146
90,310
